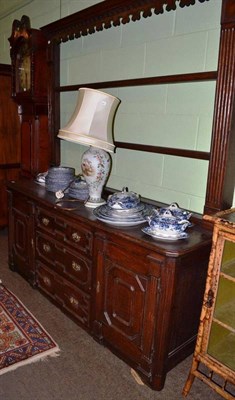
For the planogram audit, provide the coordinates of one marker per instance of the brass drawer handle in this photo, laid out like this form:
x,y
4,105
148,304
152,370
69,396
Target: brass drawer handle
x,y
46,248
45,221
47,281
76,266
73,301
76,237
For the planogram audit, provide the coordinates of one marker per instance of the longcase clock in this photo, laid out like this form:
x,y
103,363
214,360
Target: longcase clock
x,y
29,90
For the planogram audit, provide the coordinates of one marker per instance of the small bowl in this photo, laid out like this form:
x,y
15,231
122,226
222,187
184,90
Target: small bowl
x,y
123,200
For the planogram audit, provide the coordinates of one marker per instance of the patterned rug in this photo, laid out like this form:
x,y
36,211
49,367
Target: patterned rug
x,y
22,339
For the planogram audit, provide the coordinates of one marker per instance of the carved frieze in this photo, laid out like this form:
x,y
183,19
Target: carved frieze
x,y
107,14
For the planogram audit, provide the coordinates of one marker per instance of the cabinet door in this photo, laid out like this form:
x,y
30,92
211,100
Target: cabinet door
x,y
127,292
21,243
5,175
9,139
215,347
221,339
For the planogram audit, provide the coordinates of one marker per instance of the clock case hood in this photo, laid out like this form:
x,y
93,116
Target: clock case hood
x,y
28,51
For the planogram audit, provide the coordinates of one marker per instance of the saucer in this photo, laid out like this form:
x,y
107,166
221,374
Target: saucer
x,y
164,235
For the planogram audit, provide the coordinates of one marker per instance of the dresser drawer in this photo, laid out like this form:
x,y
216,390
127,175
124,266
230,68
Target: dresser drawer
x,y
64,294
73,235
63,260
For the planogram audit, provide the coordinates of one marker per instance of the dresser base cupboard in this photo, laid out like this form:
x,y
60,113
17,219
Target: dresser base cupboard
x,y
139,297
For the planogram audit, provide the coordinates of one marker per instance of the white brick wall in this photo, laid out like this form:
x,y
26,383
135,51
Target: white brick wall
x,y
178,115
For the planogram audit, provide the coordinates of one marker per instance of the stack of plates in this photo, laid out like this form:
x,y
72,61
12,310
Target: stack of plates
x,y
59,178
130,217
79,190
123,209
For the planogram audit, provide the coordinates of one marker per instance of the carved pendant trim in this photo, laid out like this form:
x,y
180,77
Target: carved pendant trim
x,y
106,14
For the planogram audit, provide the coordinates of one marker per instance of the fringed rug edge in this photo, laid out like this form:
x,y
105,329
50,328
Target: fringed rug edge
x,y
54,352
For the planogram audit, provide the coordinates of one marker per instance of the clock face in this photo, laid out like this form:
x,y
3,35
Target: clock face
x,y
23,69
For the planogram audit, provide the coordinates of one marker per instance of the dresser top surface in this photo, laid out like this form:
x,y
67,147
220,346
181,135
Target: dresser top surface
x,y
198,237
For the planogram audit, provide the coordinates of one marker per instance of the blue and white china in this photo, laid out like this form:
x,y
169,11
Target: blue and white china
x,y
175,210
123,217
107,212
125,209
119,223
167,223
119,214
123,200
164,235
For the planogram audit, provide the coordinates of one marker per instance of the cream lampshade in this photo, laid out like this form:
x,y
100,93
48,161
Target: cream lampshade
x,y
92,124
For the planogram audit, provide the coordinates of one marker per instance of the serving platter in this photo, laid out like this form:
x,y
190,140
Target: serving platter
x,y
164,236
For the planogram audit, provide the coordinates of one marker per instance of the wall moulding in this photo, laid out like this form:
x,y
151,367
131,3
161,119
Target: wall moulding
x,y
106,14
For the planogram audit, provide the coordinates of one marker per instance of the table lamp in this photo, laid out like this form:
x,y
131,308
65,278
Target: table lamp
x,y
92,124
